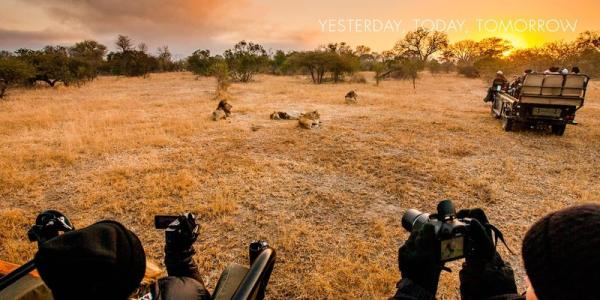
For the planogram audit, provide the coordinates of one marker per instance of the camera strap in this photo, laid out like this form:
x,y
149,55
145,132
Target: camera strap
x,y
498,236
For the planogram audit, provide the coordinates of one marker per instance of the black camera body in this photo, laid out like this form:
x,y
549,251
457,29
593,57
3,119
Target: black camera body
x,y
176,226
452,233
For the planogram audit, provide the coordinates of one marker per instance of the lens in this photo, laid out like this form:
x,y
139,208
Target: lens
x,y
414,218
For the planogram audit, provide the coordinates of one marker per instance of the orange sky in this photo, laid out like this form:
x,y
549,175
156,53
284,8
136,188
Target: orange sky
x,y
186,25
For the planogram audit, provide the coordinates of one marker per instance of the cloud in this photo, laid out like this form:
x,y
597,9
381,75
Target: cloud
x,y
184,25
26,39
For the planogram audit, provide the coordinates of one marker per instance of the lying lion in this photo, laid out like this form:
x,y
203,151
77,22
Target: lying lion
x,y
310,120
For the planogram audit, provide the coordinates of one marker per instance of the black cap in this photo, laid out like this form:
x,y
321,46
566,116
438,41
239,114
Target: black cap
x,y
102,261
561,254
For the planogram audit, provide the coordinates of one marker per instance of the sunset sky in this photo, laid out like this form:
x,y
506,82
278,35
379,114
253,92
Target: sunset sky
x,y
186,25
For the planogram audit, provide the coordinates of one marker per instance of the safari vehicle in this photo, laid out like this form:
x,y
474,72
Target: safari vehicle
x,y
541,100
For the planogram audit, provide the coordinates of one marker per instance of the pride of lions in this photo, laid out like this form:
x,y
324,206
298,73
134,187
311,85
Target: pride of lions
x,y
308,120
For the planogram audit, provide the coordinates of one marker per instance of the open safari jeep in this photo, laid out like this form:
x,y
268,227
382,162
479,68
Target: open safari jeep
x,y
542,100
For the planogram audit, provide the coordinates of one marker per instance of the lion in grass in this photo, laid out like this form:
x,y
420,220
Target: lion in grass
x,y
223,111
351,97
310,120
285,115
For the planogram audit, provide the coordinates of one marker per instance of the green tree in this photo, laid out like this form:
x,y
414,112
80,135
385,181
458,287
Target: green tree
x,y
200,62
13,71
164,59
88,58
314,62
277,62
245,60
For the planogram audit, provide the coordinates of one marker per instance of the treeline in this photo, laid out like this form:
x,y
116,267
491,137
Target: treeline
x,y
484,58
81,63
335,62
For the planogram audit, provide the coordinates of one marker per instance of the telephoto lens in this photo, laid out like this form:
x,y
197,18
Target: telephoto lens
x,y
414,219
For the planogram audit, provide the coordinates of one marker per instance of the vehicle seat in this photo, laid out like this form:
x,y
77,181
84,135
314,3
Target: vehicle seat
x,y
230,280
27,288
574,85
552,85
532,84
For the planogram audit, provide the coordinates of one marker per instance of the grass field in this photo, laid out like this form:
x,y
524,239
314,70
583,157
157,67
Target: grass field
x,y
329,200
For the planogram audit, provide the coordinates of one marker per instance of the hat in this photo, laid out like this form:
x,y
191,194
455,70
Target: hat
x,y
102,261
560,253
499,73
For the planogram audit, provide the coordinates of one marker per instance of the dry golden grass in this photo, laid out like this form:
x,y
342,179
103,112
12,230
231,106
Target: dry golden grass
x,y
329,200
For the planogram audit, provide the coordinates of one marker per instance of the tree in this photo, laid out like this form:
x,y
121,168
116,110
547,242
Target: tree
x,y
142,47
200,62
124,43
341,63
465,52
164,59
13,71
588,40
493,47
410,69
88,57
379,68
315,62
421,44
245,60
130,62
277,62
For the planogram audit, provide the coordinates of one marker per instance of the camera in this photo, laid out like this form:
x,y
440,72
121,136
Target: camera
x,y
177,226
452,233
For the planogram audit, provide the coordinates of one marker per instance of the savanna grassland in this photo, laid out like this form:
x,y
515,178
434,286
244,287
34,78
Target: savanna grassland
x,y
329,200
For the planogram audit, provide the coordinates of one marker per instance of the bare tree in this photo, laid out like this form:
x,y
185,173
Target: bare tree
x,y
143,47
123,43
465,52
421,44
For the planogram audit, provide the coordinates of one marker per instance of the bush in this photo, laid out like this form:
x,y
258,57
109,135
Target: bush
x,y
468,71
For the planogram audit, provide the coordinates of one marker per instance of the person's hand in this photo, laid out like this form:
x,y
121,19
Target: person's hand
x,y
483,248
417,258
182,236
484,274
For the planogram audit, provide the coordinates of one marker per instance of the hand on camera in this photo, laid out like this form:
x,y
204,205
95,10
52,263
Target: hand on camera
x,y
182,237
484,273
484,248
418,261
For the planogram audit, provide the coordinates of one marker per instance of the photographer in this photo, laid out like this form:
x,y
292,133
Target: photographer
x,y
560,254
107,261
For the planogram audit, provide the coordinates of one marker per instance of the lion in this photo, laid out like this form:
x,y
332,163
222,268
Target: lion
x,y
351,97
223,111
310,120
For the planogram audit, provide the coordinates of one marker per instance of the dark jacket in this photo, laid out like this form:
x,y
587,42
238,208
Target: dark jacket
x,y
493,280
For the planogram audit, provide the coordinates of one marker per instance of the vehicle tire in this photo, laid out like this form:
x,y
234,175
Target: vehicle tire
x,y
507,124
559,129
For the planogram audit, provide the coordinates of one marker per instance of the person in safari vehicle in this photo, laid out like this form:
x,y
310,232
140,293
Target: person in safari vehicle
x,y
499,81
